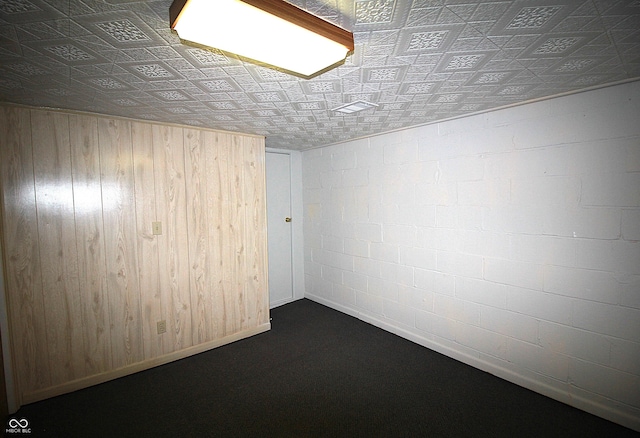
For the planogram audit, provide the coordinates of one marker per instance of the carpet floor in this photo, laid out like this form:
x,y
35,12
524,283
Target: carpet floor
x,y
316,373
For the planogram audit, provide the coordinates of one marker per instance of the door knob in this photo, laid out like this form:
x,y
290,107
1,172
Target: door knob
x,y
287,219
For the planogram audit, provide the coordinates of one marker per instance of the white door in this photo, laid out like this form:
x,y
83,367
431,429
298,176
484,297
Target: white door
x,y
278,168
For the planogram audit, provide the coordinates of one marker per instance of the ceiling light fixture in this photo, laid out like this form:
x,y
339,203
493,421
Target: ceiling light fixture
x,y
271,32
354,107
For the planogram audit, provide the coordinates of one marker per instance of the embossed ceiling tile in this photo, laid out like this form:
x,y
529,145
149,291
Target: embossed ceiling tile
x,y
383,74
200,58
488,11
27,11
530,16
379,14
577,65
452,62
67,51
151,71
171,95
467,45
426,16
165,53
104,83
558,45
122,29
427,39
38,31
138,54
579,23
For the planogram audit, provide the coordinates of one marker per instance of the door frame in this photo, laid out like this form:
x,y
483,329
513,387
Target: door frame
x,y
297,238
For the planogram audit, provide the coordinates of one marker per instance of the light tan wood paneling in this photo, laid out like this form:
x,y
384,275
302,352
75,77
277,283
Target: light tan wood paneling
x,y
58,252
145,200
236,296
21,252
86,278
120,242
87,201
227,299
174,253
198,226
255,233
216,213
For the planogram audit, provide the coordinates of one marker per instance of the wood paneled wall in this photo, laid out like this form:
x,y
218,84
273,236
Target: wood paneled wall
x,y
87,280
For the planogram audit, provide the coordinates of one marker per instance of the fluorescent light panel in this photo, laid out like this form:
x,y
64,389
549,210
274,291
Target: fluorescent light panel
x,y
354,107
271,32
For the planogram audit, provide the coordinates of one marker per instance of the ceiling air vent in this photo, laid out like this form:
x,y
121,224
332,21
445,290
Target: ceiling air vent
x,y
354,107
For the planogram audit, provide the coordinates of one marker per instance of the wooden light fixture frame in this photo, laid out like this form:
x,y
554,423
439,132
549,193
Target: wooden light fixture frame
x,y
288,12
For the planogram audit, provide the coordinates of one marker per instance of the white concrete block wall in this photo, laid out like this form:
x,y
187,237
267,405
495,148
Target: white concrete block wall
x,y
508,240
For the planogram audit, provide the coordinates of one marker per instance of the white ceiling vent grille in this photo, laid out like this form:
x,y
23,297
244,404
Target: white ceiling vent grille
x,y
354,107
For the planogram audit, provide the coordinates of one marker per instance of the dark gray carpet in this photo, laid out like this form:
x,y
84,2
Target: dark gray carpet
x,y
317,373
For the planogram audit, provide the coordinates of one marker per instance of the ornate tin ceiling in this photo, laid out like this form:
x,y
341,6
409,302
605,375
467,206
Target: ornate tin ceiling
x,y
419,60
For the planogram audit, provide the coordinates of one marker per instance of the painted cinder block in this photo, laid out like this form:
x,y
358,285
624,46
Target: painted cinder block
x,y
434,281
523,274
354,280
424,321
488,192
457,263
481,340
384,252
514,325
548,190
582,222
401,314
383,288
405,152
541,305
545,250
585,284
400,234
605,381
370,232
332,275
625,356
631,224
481,292
355,247
612,189
369,303
549,161
470,168
523,219
344,295
538,359
403,275
606,319
618,256
343,159
367,155
355,178
457,309
485,243
631,292
423,258
333,243
441,193
416,298
574,342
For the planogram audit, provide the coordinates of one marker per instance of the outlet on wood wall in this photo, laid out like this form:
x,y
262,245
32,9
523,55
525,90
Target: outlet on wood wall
x,y
88,280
